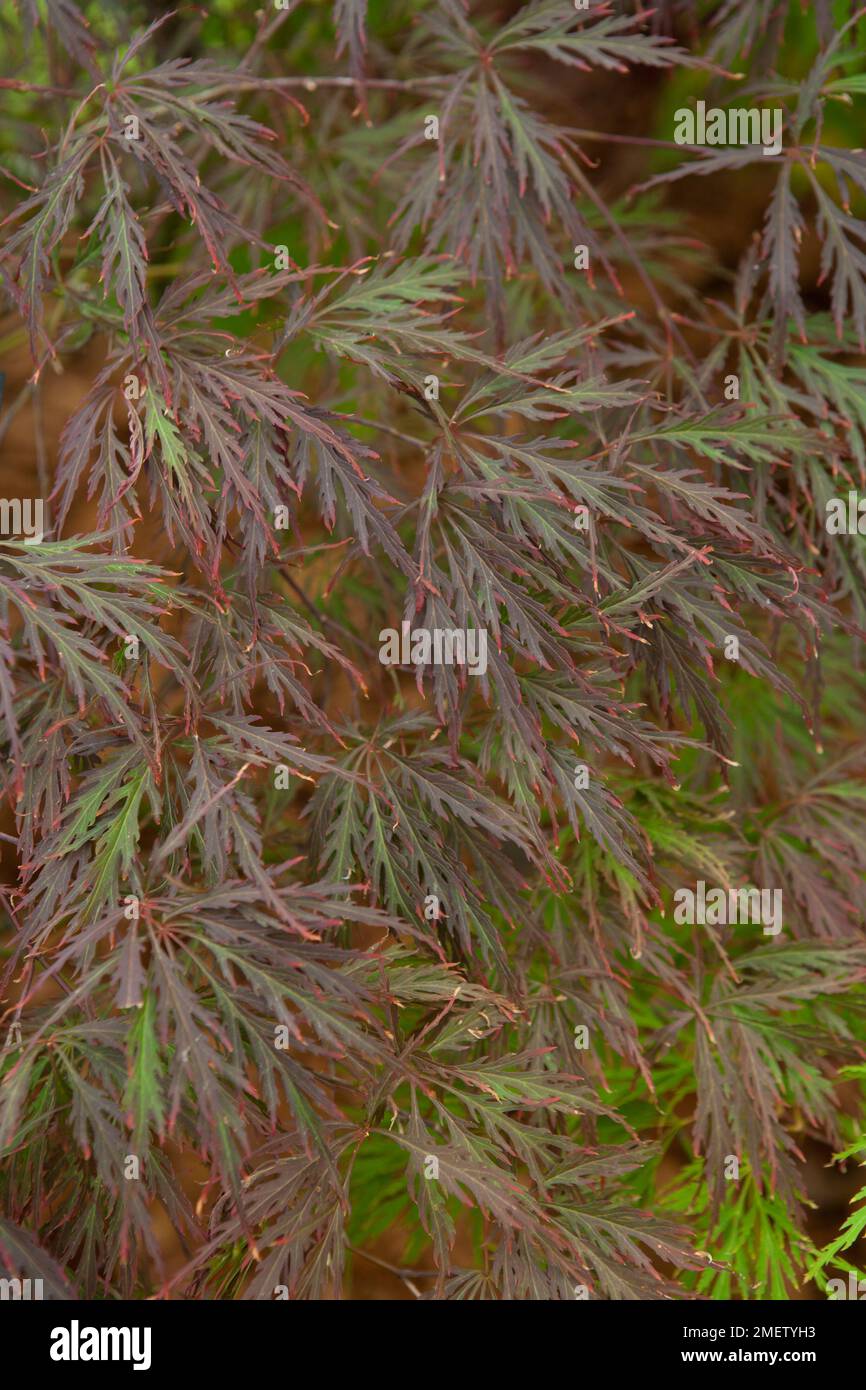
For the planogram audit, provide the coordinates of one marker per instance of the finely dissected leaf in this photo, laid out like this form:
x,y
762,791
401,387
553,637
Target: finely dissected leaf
x,y
544,964
23,1258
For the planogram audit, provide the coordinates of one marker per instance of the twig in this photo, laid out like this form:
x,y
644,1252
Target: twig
x,y
21,399
407,1275
323,617
267,32
311,84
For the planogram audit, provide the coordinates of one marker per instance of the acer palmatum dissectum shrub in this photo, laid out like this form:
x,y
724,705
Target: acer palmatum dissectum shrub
x,y
430,670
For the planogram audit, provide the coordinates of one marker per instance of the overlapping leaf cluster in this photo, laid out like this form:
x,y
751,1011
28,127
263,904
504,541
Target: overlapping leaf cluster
x,y
231,821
